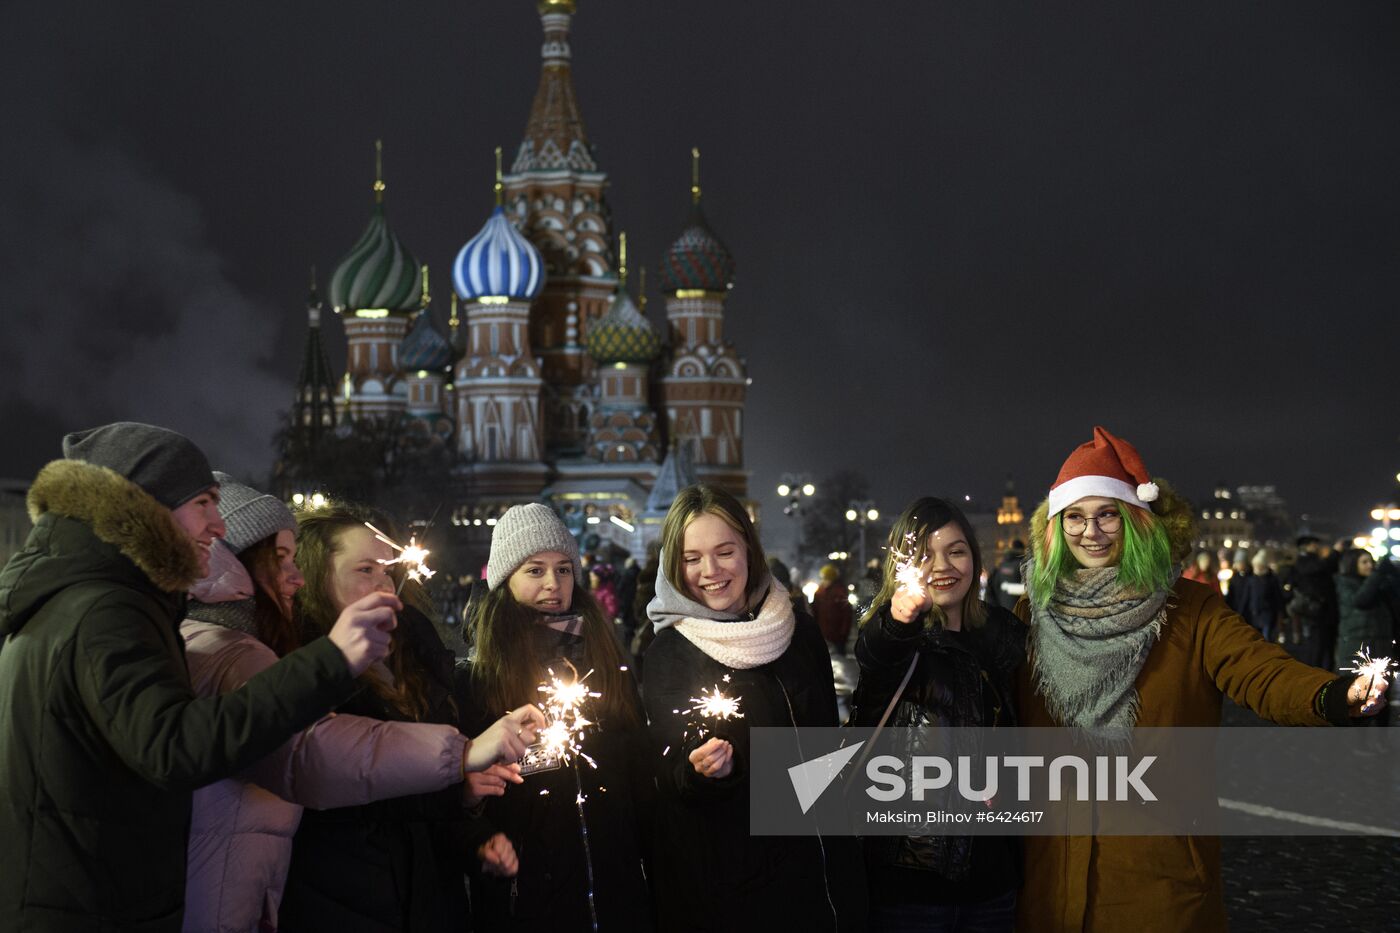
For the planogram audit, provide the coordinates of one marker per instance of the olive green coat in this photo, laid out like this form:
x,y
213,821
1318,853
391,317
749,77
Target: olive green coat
x,y
103,740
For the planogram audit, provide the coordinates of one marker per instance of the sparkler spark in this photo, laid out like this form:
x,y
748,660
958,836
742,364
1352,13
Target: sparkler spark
x,y
906,569
715,705
1366,666
413,556
561,740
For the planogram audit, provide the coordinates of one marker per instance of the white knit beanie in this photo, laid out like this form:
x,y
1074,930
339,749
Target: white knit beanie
x,y
525,530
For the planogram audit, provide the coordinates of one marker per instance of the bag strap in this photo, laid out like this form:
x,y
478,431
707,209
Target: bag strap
x,y
880,726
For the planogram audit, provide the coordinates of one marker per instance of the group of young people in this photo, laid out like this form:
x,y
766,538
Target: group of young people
x,y
289,748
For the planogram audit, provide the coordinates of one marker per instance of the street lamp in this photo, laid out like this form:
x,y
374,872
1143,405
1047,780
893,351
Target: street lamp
x,y
794,487
862,512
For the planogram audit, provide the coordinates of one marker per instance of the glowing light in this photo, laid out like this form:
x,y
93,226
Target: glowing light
x,y
808,489
873,515
784,489
412,556
715,705
1366,666
562,739
1378,515
625,526
850,515
298,498
906,569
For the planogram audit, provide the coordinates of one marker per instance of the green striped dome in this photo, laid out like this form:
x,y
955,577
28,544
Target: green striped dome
x,y
622,335
378,272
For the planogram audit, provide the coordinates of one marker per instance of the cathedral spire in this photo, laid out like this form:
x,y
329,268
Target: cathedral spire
x,y
554,136
695,176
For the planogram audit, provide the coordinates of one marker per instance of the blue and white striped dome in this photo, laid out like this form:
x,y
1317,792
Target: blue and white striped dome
x,y
498,261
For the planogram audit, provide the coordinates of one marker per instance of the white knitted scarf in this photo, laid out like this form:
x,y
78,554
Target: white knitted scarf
x,y
735,642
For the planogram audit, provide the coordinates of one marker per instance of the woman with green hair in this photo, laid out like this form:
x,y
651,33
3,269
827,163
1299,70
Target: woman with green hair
x,y
1118,640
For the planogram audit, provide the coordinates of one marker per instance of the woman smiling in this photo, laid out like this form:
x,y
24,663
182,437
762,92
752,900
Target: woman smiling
x,y
723,623
1118,640
959,656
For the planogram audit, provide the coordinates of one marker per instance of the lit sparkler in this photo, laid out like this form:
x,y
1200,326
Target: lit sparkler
x,y
907,569
1366,666
562,739
413,556
715,705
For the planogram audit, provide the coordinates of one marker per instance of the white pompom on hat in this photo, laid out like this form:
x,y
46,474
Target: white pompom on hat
x,y
525,530
1107,466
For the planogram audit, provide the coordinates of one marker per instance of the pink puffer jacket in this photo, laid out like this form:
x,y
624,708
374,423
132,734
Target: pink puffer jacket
x,y
241,830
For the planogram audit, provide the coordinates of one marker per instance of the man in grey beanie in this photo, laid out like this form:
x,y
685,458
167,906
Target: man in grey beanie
x,y
103,740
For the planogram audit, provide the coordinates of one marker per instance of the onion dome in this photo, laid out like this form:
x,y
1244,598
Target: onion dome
x,y
697,260
424,346
498,262
622,335
379,272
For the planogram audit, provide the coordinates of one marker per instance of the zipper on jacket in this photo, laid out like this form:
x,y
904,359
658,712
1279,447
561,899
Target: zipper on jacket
x,y
514,893
821,845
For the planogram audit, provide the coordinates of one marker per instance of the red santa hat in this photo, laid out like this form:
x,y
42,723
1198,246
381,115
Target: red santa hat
x,y
1107,466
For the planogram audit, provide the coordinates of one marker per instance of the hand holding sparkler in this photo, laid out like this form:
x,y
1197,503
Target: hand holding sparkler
x,y
1365,696
362,630
490,782
714,759
413,557
505,739
562,736
912,597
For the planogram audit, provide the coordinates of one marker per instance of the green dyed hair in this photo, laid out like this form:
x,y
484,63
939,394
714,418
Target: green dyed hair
x,y
1154,546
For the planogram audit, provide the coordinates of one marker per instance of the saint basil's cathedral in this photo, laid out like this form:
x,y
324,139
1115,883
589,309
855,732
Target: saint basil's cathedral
x,y
552,384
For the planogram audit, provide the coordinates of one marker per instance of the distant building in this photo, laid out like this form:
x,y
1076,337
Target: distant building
x,y
1274,525
552,384
1223,523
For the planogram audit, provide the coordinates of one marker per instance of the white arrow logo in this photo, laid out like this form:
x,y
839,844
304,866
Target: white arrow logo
x,y
811,778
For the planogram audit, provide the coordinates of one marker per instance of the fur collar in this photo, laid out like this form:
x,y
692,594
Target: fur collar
x,y
123,515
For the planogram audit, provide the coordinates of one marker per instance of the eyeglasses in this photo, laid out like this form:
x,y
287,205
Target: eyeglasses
x,y
1107,522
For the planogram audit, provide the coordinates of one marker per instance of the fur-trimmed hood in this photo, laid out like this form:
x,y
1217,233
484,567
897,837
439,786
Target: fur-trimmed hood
x,y
87,518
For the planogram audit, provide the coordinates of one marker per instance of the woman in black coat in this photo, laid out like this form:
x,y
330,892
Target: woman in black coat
x,y
964,654
722,623
577,822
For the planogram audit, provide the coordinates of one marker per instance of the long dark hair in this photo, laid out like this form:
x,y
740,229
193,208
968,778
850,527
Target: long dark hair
x,y
319,534
507,667
272,622
909,537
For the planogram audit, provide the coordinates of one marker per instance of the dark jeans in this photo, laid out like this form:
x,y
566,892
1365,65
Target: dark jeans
x,y
997,915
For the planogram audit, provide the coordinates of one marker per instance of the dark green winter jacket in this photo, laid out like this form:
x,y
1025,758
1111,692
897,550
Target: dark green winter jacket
x,y
101,739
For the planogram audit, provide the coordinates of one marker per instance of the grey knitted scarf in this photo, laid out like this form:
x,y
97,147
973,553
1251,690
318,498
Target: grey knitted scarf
x,y
1089,643
237,614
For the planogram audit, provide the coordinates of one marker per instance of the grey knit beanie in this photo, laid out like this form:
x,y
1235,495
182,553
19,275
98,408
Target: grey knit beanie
x,y
522,531
163,463
250,515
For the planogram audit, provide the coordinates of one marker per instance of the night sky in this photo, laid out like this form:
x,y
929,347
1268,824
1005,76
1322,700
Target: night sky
x,y
965,232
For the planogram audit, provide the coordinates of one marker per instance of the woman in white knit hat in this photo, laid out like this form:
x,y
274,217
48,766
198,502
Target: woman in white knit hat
x,y
577,825
721,621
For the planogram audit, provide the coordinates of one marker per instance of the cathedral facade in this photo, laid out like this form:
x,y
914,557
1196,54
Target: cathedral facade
x,y
552,384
